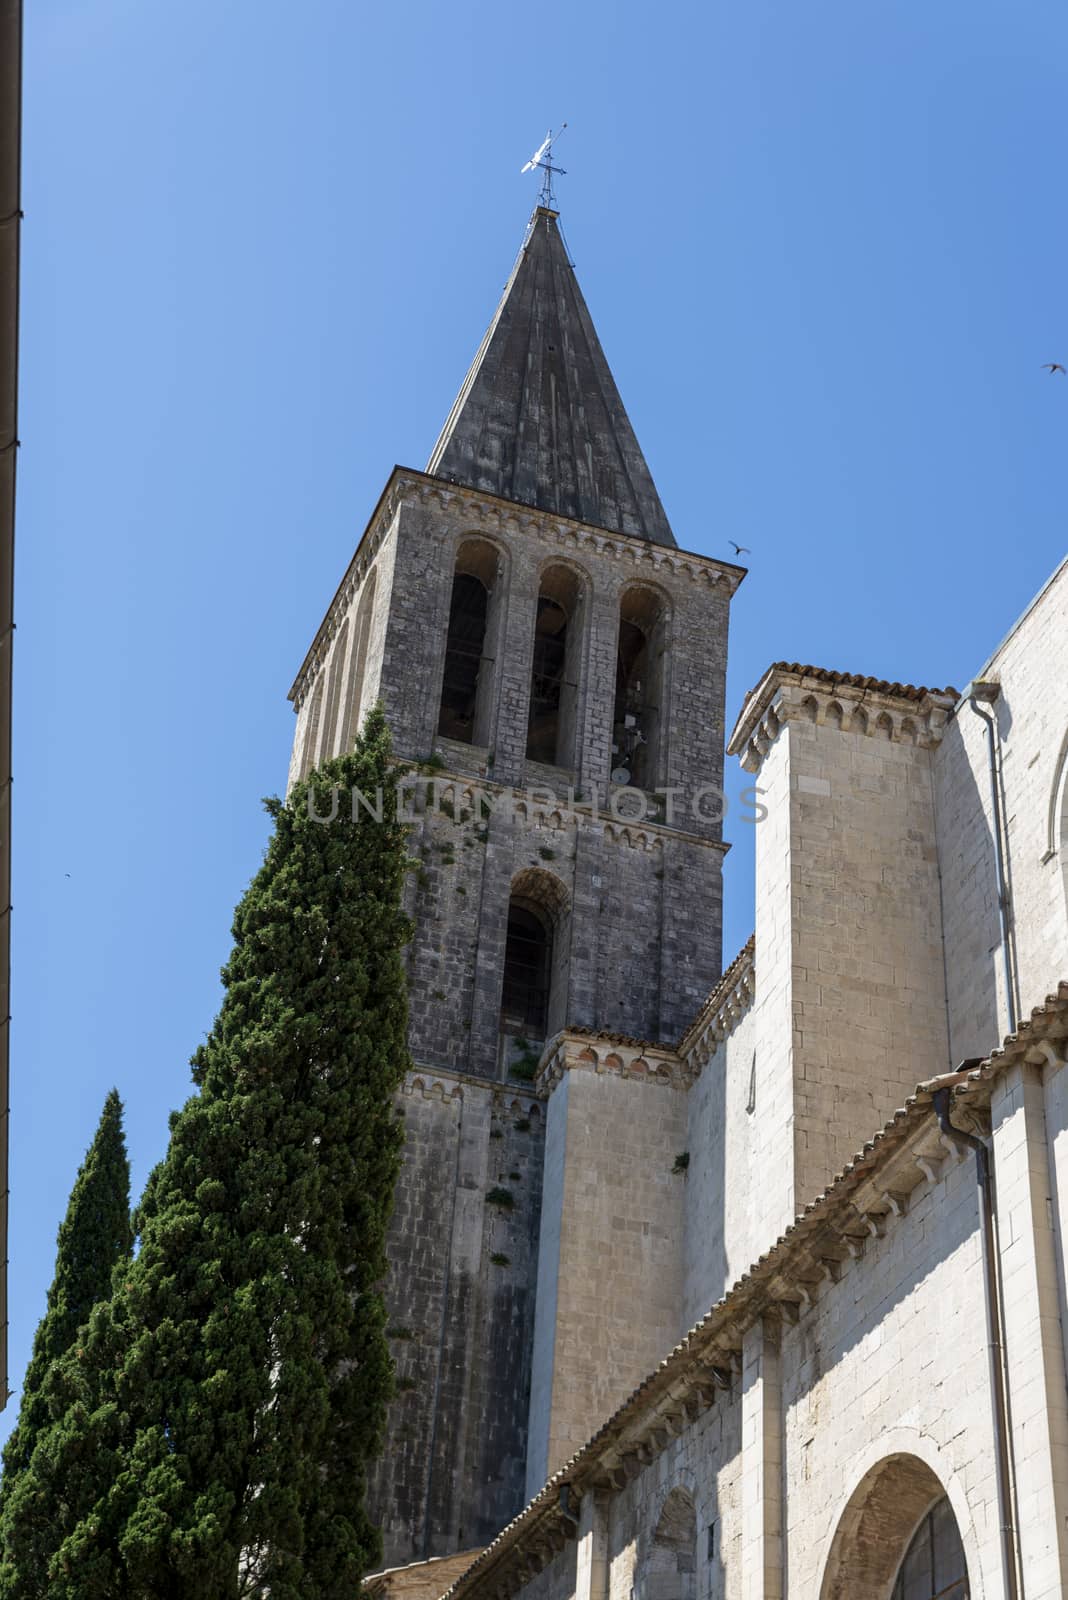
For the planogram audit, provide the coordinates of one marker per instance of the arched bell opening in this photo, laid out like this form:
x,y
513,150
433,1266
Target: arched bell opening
x,y
467,686
637,723
551,727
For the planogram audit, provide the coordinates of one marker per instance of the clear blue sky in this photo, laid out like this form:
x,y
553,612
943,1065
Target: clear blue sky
x,y
825,248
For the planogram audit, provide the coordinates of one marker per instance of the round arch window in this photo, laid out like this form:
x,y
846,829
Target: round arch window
x,y
934,1566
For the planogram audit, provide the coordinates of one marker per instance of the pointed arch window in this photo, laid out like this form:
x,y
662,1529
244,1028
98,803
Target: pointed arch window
x,y
551,727
467,685
640,669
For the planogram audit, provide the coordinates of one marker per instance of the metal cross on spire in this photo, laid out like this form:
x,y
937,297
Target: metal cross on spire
x,y
542,160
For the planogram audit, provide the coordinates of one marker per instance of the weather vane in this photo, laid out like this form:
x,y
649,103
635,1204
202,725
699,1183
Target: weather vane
x,y
542,159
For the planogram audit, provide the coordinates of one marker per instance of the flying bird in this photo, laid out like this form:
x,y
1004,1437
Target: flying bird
x,y
1053,366
740,549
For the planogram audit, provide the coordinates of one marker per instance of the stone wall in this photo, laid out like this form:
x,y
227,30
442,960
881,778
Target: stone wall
x,y
1031,715
610,1256
724,1227
461,1322
848,913
860,1391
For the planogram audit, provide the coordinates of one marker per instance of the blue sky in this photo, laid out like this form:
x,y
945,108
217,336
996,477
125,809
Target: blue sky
x,y
824,246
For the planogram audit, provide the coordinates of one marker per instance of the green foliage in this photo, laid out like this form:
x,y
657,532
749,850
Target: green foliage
x,y
399,1333
547,854
94,1237
500,1197
234,1388
499,1259
682,1162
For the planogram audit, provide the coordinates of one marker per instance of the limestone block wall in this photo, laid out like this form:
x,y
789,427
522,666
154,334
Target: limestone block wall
x,y
461,1322
893,1359
1031,713
703,1467
849,922
724,1223
610,1255
853,1402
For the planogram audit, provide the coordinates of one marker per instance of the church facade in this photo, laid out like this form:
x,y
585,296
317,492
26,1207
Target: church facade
x,y
704,1283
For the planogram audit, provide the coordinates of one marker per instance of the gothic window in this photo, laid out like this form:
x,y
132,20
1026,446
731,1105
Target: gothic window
x,y
361,639
933,1568
467,682
636,723
528,963
553,686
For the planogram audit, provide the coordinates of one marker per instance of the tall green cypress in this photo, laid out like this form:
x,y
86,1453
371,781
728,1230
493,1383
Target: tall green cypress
x,y
94,1237
236,1382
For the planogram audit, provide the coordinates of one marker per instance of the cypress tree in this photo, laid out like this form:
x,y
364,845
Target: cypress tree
x,y
94,1237
236,1381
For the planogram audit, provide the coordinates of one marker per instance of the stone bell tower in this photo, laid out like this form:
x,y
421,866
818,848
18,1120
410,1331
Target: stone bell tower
x,y
554,666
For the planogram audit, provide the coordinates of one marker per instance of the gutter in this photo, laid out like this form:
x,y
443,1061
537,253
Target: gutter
x,y
981,694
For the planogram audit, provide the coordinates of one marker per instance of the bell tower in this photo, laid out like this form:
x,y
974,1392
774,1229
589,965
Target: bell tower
x,y
553,666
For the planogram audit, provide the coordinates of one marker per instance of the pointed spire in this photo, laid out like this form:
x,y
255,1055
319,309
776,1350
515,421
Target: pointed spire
x,y
539,419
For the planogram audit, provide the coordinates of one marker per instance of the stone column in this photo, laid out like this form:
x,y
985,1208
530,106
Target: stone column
x,y
762,1509
591,1560
1033,1346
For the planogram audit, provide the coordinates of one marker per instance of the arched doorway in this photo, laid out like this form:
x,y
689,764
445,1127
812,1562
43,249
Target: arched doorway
x,y
897,1539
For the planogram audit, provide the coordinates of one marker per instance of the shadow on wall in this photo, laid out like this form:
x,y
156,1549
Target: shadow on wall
x,y
681,1559
969,872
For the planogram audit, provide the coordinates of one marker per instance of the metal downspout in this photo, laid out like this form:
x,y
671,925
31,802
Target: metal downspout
x,y
981,694
995,1333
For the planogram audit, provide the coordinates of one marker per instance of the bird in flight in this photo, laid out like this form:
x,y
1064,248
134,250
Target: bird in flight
x,y
740,549
1053,366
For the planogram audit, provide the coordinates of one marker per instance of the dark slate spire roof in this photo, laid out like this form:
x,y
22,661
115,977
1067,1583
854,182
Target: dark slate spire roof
x,y
539,419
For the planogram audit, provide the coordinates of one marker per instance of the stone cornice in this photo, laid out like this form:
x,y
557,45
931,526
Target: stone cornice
x,y
580,1051
488,513
789,692
532,806
444,1083
723,1010
869,1197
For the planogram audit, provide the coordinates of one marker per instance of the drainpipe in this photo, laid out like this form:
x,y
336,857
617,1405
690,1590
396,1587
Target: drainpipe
x,y
981,695
995,1327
